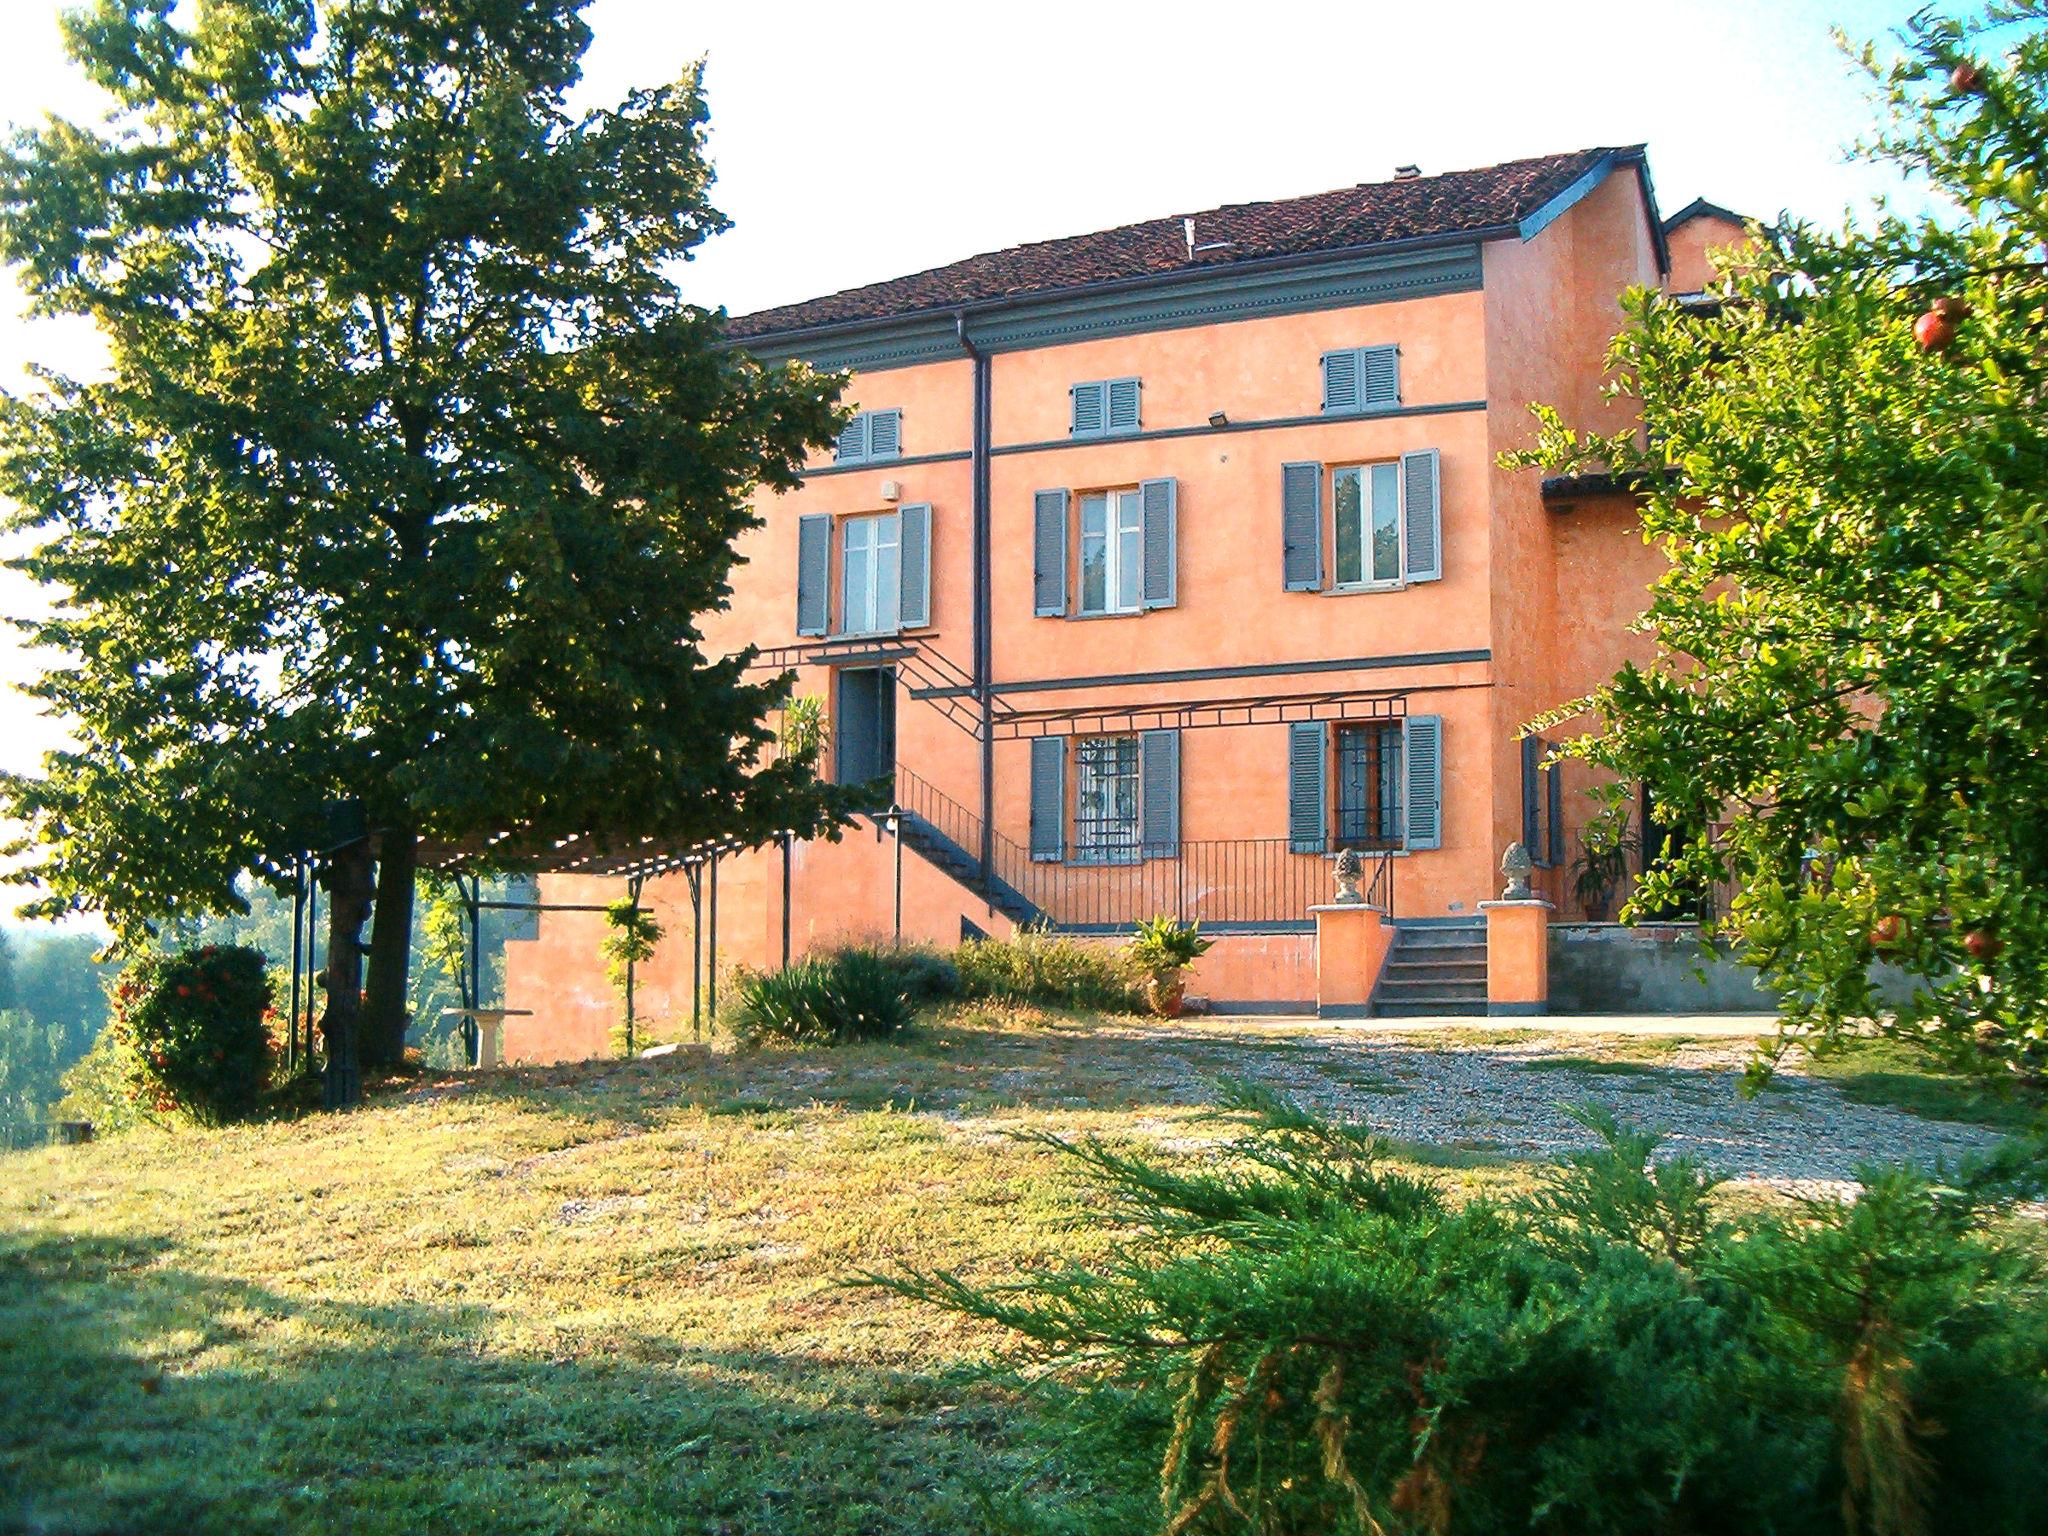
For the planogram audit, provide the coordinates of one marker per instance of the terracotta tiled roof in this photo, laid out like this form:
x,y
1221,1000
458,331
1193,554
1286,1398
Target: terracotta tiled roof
x,y
1371,213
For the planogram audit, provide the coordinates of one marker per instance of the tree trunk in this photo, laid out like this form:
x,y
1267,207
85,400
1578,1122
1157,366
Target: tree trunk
x,y
349,886
385,994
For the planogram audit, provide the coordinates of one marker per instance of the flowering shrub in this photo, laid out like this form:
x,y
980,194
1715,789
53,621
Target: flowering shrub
x,y
192,1032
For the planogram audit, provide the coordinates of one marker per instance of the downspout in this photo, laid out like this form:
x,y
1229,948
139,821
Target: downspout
x,y
983,669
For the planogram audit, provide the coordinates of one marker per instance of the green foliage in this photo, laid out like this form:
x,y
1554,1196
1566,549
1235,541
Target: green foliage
x,y
53,1004
1328,1344
1164,944
806,729
98,1087
926,975
413,472
1036,967
834,998
1845,713
191,1031
631,939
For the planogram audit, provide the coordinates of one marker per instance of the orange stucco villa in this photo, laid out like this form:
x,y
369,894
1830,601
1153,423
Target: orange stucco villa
x,y
1163,563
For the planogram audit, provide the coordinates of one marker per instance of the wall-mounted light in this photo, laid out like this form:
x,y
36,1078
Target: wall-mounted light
x,y
1218,419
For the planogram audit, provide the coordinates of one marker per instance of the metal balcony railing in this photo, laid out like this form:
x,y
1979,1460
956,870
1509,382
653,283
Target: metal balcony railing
x,y
1241,884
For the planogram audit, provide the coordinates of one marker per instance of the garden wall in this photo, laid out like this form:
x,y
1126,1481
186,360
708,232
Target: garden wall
x,y
1660,968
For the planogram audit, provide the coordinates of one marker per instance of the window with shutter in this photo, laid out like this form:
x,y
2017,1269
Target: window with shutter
x,y
1361,379
1105,407
1159,793
1048,799
813,574
1424,750
1107,794
1091,409
1308,753
1049,554
1553,783
1366,518
1422,516
914,588
871,437
1159,512
1301,526
1532,796
1123,406
1369,785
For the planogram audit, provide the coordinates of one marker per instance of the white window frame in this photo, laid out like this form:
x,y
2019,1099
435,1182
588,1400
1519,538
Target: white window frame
x,y
1123,545
1365,474
1090,844
878,549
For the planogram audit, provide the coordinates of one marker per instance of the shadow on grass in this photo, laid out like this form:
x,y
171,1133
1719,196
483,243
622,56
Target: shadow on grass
x,y
139,1396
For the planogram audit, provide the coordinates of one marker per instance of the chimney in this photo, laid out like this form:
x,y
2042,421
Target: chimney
x,y
1407,172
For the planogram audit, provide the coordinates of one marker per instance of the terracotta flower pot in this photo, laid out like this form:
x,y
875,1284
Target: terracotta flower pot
x,y
1166,993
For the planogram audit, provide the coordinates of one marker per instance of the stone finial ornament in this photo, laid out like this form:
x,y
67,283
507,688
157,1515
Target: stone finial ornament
x,y
1350,870
1516,864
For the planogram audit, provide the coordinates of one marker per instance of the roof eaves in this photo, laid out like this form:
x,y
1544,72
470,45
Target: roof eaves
x,y
969,309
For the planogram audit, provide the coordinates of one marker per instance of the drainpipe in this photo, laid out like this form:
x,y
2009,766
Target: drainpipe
x,y
984,647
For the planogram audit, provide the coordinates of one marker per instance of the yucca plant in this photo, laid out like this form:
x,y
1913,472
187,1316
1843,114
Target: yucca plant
x,y
828,999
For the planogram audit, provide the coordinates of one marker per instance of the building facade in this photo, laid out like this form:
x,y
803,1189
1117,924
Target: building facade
x,y
1159,565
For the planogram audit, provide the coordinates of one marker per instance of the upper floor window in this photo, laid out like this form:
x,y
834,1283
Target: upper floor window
x,y
1105,407
1384,524
1128,544
1112,553
1361,379
871,437
1367,509
880,572
872,582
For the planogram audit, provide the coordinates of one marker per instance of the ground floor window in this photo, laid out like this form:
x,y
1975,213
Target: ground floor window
x,y
1106,798
1369,786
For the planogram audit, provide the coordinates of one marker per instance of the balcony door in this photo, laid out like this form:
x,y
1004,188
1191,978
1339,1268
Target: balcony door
x,y
866,721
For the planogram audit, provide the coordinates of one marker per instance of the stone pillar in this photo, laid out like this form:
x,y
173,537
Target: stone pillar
x,y
1517,956
1352,940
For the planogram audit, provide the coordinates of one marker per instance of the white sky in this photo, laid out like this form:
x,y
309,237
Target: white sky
x,y
861,142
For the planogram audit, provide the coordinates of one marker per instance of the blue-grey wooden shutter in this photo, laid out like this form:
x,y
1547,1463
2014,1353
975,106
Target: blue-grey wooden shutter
x,y
853,441
1049,554
1422,515
813,573
1048,798
1424,756
914,582
1159,794
1532,790
1553,777
885,434
1121,411
1301,527
1340,381
1308,762
1091,409
1158,517
1379,374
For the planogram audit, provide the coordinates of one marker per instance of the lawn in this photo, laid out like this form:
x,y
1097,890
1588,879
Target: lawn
x,y
605,1298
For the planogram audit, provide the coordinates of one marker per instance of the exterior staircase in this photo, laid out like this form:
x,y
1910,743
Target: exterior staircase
x,y
950,858
1433,968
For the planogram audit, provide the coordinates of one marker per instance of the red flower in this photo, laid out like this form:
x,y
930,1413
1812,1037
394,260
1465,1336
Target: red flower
x,y
183,990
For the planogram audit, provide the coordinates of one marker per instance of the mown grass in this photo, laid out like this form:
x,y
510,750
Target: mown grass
x,y
605,1298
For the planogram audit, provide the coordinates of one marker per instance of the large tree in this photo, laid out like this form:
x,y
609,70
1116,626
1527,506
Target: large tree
x,y
410,475
1846,460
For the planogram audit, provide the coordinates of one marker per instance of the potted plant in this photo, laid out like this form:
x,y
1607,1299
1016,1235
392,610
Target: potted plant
x,y
1600,870
1163,948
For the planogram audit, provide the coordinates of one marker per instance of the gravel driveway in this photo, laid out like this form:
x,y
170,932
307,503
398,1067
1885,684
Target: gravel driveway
x,y
1512,1094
